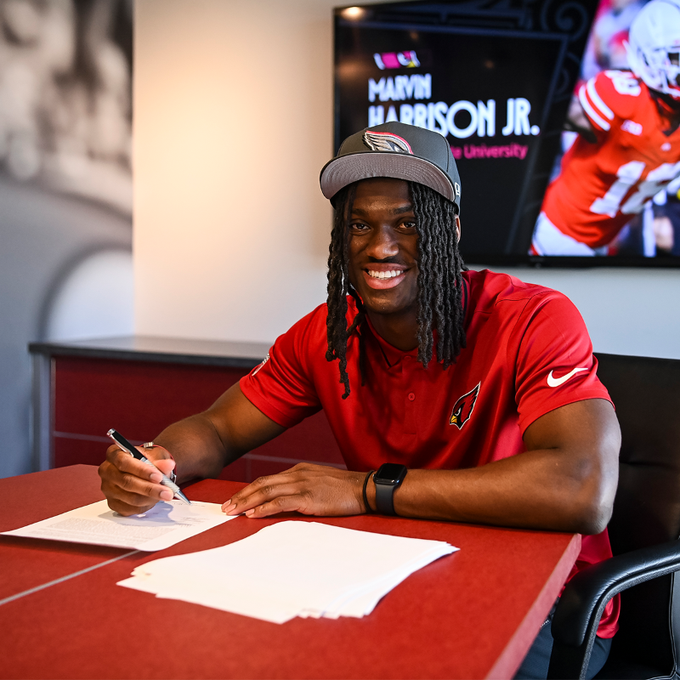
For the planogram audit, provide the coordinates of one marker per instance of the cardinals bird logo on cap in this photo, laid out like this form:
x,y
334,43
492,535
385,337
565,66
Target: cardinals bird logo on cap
x,y
386,141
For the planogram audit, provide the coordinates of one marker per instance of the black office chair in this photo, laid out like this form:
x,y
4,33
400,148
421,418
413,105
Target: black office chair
x,y
644,529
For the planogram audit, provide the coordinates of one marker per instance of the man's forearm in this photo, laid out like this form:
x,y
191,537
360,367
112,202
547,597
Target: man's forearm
x,y
526,490
203,444
196,447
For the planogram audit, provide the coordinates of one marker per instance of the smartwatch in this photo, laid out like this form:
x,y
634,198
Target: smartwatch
x,y
387,480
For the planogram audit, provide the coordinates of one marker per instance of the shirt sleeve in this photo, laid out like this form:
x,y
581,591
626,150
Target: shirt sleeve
x,y
282,386
608,97
555,362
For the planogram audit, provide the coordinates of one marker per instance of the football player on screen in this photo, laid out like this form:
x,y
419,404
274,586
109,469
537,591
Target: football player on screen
x,y
628,146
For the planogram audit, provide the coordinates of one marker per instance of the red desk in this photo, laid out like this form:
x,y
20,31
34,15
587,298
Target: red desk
x,y
469,615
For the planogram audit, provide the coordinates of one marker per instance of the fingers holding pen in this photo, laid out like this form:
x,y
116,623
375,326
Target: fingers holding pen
x,y
130,486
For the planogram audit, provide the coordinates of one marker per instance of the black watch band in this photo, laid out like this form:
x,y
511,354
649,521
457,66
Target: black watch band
x,y
387,480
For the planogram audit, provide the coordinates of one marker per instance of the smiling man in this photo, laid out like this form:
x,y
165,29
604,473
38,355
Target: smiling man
x,y
453,394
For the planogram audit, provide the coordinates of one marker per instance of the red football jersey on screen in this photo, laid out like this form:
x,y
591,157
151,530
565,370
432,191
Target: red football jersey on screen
x,y
602,186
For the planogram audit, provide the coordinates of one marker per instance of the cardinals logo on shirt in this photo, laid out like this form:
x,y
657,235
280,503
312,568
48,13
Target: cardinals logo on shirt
x,y
463,408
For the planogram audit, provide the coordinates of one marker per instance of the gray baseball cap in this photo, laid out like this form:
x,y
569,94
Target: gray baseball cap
x,y
398,151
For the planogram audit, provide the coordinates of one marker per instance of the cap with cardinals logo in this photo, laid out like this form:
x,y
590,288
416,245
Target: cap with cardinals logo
x,y
398,151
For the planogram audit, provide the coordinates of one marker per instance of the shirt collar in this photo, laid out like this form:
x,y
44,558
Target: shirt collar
x,y
392,354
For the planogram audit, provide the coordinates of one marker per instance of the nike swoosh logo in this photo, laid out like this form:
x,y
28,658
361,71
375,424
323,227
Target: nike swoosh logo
x,y
556,382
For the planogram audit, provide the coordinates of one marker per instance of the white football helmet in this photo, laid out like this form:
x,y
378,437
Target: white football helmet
x,y
654,46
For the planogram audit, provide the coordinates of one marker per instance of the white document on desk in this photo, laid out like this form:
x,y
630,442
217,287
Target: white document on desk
x,y
292,568
159,528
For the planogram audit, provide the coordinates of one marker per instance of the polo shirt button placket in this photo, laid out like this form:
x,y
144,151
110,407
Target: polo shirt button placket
x,y
410,420
409,370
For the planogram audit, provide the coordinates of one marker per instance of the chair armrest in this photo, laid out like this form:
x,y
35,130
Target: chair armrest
x,y
586,595
584,598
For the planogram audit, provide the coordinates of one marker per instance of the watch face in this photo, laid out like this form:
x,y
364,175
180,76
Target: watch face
x,y
390,473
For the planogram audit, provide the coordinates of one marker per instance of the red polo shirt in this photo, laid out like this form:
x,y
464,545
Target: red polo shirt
x,y
528,352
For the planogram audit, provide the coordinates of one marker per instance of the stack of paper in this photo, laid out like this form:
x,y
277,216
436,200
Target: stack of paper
x,y
292,568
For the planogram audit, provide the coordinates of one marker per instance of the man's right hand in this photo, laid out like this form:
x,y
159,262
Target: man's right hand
x,y
203,444
132,487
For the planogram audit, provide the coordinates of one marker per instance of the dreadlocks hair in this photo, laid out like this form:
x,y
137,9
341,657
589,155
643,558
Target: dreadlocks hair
x,y
440,282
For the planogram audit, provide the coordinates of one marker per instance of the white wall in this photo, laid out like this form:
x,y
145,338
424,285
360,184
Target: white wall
x,y
233,121
233,109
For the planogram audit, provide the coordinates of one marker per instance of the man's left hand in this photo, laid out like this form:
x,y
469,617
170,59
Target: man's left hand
x,y
306,488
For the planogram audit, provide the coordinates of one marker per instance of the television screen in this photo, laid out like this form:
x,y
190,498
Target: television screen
x,y
566,157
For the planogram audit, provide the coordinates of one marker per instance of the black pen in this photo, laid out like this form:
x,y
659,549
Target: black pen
x,y
125,445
